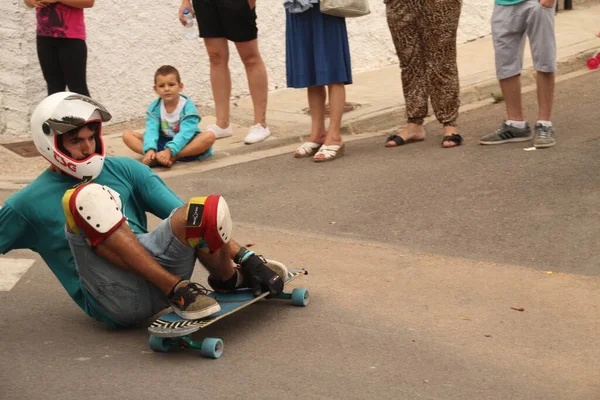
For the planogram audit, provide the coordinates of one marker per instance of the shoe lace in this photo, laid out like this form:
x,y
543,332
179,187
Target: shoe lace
x,y
197,289
543,131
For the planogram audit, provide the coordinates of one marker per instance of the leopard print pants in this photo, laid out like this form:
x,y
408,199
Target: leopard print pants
x,y
424,34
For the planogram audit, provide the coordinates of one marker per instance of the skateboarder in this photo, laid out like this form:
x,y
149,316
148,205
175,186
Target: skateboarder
x,y
86,217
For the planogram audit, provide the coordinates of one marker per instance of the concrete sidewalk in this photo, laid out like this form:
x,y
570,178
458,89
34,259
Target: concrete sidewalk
x,y
377,93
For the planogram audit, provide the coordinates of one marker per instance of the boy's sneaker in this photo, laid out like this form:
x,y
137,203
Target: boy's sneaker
x,y
219,132
257,133
507,134
544,136
190,301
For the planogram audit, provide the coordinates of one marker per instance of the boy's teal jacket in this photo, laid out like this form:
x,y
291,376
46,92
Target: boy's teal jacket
x,y
188,127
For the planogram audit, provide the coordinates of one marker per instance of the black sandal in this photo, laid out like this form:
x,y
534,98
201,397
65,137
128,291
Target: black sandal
x,y
396,139
455,138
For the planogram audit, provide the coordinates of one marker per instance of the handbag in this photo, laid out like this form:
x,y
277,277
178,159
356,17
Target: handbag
x,y
345,8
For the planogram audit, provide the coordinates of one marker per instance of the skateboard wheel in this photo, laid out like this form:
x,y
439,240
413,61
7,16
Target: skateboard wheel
x,y
158,344
300,297
593,63
212,348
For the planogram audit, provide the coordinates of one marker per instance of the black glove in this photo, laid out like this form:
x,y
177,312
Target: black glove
x,y
261,278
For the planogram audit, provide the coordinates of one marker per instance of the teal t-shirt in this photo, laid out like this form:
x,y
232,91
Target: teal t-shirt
x,y
508,2
33,218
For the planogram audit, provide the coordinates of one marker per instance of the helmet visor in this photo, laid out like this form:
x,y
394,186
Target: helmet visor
x,y
73,112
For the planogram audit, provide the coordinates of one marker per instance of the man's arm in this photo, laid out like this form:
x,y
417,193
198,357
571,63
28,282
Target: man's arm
x,y
12,229
154,194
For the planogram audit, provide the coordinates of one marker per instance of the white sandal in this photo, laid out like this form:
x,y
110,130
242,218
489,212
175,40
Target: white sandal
x,y
330,152
307,149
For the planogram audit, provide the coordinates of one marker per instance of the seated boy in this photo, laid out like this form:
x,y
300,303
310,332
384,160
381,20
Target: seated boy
x,y
172,132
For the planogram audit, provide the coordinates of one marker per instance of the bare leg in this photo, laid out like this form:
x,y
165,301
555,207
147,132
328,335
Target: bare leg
x,y
337,101
545,94
135,141
197,145
316,103
257,78
220,77
511,90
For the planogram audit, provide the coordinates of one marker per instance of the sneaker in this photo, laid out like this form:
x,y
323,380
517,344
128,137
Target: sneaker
x,y
219,132
233,284
257,133
544,136
190,300
507,134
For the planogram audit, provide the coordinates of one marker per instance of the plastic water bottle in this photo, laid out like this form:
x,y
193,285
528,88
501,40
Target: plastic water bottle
x,y
190,31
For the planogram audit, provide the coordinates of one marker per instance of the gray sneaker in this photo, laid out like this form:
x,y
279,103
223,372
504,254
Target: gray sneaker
x,y
544,136
507,134
191,301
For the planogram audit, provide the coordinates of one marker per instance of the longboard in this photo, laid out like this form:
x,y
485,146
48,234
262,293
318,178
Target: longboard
x,y
171,330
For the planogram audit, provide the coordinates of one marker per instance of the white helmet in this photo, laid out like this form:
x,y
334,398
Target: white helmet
x,y
60,113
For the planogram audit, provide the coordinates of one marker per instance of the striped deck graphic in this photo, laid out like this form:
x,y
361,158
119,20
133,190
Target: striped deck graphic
x,y
172,325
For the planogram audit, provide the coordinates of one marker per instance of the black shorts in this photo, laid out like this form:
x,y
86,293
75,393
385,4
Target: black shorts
x,y
230,19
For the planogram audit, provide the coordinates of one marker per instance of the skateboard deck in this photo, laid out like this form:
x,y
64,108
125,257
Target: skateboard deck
x,y
171,330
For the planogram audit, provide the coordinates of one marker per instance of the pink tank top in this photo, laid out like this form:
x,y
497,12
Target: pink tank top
x,y
60,21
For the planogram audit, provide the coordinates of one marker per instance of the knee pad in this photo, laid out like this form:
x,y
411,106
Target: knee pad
x,y
94,209
208,222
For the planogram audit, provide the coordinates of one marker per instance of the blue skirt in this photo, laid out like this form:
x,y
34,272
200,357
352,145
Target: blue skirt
x,y
317,51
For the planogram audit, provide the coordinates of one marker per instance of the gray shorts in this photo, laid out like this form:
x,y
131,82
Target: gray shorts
x,y
125,297
510,25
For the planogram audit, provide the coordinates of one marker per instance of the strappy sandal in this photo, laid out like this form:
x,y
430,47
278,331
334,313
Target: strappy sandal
x,y
399,140
454,138
307,149
329,153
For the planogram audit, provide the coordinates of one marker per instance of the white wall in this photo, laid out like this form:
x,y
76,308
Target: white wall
x,y
127,41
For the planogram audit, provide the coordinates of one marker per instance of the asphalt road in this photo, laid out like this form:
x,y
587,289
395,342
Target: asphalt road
x,y
416,256
497,203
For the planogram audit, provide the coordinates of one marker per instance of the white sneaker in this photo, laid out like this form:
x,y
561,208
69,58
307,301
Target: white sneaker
x,y
257,133
219,132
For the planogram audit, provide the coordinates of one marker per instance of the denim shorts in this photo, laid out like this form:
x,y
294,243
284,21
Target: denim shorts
x,y
122,296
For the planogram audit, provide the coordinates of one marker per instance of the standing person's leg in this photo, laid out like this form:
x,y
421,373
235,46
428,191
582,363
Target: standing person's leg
x,y
73,63
404,18
210,22
540,30
239,21
333,145
316,105
257,78
508,35
440,27
220,78
47,50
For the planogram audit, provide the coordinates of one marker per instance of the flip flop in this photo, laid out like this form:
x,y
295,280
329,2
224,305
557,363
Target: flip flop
x,y
399,140
307,149
455,138
330,152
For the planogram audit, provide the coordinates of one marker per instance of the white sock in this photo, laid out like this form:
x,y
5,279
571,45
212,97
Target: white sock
x,y
545,123
516,124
